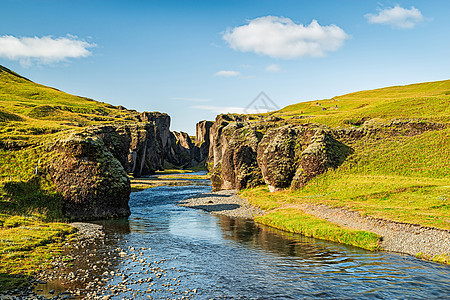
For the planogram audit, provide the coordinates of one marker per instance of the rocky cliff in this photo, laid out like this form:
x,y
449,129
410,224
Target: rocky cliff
x,y
247,150
90,168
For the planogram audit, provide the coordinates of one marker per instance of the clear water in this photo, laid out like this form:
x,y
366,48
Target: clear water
x,y
182,252
224,258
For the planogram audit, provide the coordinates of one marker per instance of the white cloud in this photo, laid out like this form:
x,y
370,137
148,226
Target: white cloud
x,y
227,109
282,38
273,68
397,17
228,73
43,50
191,99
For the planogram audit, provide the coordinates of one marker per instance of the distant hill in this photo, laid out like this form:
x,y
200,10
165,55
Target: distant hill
x,y
430,101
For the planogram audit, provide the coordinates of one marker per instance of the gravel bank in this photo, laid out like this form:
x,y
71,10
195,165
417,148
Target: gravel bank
x,y
396,237
39,288
224,202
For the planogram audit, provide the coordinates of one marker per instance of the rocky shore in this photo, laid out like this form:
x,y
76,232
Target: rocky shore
x,y
416,240
225,202
93,266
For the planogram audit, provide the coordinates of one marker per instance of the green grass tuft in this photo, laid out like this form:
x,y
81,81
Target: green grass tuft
x,y
296,221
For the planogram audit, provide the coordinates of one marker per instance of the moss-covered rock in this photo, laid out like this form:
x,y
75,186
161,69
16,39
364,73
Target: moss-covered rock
x,y
279,154
90,179
322,153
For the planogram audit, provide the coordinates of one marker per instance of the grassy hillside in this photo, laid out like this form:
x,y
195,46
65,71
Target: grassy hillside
x,y
31,117
428,101
30,111
396,177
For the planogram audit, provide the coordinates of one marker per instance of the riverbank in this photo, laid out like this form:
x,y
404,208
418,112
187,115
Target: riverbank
x,y
49,261
225,202
420,241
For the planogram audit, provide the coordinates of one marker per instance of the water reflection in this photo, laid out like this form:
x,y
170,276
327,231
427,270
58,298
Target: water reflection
x,y
225,258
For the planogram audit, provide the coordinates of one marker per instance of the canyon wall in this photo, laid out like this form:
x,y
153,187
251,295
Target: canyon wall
x,y
89,169
250,150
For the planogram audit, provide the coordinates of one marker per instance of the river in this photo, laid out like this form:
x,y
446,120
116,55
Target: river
x,y
196,255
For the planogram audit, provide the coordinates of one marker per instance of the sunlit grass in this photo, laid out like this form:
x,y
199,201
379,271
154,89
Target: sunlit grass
x,y
295,220
424,100
26,245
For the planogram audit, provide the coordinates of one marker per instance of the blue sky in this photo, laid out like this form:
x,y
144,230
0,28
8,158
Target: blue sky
x,y
194,59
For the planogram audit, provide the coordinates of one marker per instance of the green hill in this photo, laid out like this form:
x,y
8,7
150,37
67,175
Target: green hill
x,y
394,173
29,110
32,115
428,101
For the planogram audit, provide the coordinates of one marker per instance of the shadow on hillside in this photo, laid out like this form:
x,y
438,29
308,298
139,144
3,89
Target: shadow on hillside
x,y
30,197
9,281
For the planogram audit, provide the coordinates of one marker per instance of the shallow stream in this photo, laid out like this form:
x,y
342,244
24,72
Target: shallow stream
x,y
190,253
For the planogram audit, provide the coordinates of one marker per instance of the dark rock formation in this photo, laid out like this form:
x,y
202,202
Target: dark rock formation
x,y
279,154
245,153
202,141
232,157
238,168
323,152
90,179
90,168
180,151
137,146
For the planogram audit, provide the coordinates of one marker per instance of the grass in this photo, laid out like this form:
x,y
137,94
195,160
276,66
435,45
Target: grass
x,y
29,233
173,171
295,220
26,246
424,101
399,178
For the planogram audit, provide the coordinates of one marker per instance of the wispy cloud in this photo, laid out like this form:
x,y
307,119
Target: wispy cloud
x,y
227,109
228,74
190,99
273,68
43,50
397,17
282,38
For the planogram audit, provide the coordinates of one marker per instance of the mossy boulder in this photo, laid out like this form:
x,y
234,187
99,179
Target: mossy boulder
x,y
279,154
322,153
90,179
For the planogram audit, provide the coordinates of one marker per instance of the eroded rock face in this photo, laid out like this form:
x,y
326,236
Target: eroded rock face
x,y
247,153
91,180
138,147
279,154
234,165
90,168
181,151
323,152
202,140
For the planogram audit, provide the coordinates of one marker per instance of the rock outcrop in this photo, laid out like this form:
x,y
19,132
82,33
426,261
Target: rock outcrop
x,y
246,153
90,168
181,151
249,150
202,140
92,182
